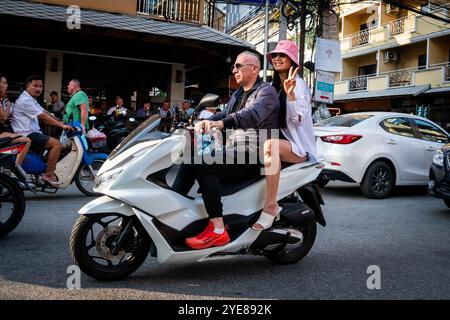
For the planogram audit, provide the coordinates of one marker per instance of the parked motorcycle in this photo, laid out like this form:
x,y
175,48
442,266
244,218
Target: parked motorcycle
x,y
140,213
76,163
12,199
116,129
439,185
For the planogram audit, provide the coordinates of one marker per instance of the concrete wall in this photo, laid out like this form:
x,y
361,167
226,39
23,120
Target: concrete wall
x,y
377,83
439,50
53,78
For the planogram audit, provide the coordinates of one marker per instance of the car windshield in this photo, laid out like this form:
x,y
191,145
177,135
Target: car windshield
x,y
148,130
347,120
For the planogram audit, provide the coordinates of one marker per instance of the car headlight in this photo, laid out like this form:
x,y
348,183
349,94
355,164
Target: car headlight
x,y
106,177
438,158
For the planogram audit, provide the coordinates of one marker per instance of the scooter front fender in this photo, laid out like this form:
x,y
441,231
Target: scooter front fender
x,y
106,204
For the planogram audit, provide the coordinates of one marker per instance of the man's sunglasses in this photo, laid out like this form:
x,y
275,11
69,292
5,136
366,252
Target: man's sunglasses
x,y
277,54
240,65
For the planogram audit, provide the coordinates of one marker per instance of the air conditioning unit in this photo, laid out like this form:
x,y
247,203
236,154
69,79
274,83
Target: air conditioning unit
x,y
390,9
390,56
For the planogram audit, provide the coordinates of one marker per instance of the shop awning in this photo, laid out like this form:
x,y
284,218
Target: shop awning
x,y
120,22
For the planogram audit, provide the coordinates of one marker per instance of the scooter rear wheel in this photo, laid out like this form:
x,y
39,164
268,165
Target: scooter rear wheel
x,y
92,240
12,204
84,179
309,232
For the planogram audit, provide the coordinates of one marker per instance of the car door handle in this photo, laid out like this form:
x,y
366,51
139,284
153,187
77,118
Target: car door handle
x,y
431,149
392,141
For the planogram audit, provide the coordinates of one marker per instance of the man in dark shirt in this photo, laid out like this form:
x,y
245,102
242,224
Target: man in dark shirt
x,y
254,106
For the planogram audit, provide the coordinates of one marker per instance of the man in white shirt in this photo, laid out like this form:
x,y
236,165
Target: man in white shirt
x,y
25,121
118,109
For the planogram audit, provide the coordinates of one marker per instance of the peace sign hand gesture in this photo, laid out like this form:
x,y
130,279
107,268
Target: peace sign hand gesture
x,y
289,84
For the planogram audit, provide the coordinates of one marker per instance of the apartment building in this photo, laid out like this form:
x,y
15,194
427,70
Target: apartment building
x,y
138,49
395,59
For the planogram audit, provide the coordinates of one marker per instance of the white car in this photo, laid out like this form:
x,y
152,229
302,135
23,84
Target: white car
x,y
378,150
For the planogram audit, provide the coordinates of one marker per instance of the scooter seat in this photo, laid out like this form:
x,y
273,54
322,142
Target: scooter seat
x,y
4,142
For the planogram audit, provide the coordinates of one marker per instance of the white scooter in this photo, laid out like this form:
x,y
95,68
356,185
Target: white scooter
x,y
140,213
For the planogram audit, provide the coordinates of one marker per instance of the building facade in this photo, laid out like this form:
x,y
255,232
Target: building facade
x,y
395,59
138,49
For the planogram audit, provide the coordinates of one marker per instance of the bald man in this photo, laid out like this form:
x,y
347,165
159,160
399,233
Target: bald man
x,y
254,106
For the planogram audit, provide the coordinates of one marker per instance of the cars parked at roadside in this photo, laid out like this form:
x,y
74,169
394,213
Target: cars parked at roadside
x,y
439,185
378,150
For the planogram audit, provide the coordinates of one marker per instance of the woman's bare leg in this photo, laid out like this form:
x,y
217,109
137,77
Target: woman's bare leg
x,y
275,151
21,156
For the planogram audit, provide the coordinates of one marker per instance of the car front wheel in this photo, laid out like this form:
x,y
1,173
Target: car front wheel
x,y
378,181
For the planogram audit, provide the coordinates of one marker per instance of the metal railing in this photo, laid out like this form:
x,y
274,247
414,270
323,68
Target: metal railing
x,y
196,11
178,10
402,25
358,83
359,38
400,78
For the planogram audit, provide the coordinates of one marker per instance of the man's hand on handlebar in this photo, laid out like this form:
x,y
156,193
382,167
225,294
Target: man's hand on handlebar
x,y
67,128
208,125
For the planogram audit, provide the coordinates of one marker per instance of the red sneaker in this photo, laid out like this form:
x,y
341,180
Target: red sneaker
x,y
208,238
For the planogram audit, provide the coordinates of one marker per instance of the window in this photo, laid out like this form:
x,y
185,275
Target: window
x,y
343,121
367,70
422,61
429,132
399,126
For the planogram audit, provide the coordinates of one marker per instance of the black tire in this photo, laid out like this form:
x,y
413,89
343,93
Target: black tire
x,y
79,249
287,257
10,193
82,174
321,182
379,181
447,202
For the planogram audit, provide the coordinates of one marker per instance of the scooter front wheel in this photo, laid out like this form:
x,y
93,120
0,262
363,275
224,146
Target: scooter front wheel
x,y
84,178
93,245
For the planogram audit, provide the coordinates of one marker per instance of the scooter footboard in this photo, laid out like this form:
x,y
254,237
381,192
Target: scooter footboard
x,y
106,204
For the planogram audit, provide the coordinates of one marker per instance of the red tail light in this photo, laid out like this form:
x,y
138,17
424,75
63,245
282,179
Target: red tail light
x,y
13,150
341,138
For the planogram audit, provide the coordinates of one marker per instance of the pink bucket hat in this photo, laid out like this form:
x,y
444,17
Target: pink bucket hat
x,y
287,47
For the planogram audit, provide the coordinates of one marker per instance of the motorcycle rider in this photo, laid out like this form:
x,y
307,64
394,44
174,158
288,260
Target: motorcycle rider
x,y
5,111
25,121
254,106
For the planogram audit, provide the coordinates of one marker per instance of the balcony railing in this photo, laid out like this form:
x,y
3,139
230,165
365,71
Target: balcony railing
x,y
359,38
402,25
196,11
401,78
358,83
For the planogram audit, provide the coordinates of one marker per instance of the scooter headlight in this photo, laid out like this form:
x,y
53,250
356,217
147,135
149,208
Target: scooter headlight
x,y
438,158
106,177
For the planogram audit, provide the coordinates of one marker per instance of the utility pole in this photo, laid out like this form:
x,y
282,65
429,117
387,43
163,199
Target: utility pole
x,y
282,34
301,52
329,28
